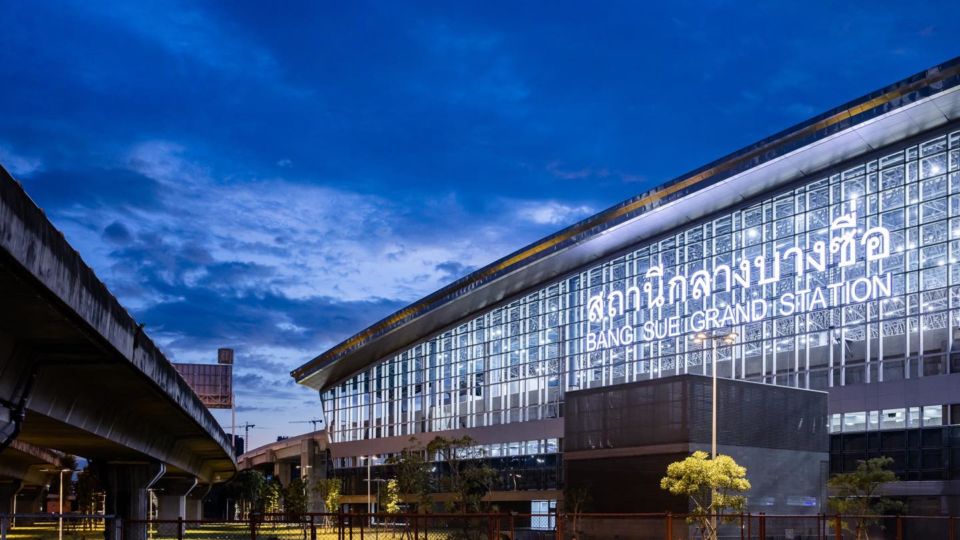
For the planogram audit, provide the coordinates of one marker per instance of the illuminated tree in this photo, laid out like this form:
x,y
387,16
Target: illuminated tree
x,y
857,494
714,487
413,475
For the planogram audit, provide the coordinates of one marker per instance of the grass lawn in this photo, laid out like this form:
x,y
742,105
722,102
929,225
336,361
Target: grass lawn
x,y
47,530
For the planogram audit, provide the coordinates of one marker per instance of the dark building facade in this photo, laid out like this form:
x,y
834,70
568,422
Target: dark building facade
x,y
832,249
627,434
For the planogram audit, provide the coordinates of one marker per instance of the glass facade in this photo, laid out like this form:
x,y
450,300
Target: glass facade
x,y
514,362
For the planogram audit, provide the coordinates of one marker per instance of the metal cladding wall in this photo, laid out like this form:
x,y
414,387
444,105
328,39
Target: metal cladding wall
x,y
619,440
677,410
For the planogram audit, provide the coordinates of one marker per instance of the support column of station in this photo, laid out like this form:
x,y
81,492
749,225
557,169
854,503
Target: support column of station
x,y
126,486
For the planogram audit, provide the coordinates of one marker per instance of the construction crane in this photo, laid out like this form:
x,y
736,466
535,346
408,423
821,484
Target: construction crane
x,y
313,421
247,426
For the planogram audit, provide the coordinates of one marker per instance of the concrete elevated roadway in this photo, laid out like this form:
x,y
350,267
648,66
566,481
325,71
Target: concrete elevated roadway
x,y
304,456
79,375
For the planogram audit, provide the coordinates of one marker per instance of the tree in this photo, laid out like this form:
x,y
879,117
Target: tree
x,y
271,497
468,477
413,475
390,497
330,490
295,502
87,490
857,494
712,485
575,501
295,499
246,487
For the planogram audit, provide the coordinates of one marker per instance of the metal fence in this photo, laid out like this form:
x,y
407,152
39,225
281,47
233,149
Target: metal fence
x,y
512,526
54,526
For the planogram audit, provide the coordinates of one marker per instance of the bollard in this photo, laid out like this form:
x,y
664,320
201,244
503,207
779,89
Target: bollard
x,y
899,527
837,528
558,533
951,522
313,528
179,528
669,525
741,525
763,526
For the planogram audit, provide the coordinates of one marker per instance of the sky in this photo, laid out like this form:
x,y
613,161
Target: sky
x,y
274,177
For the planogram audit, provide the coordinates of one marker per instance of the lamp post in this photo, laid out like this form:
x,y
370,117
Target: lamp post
x,y
60,517
369,460
715,337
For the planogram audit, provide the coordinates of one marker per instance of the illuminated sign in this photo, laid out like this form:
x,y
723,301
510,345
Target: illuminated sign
x,y
657,291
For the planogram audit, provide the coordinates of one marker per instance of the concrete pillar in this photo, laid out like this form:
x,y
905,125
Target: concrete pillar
x,y
126,486
8,495
31,499
172,496
282,472
313,466
194,502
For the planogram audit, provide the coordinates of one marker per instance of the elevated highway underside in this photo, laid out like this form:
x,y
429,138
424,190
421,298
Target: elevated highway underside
x,y
79,375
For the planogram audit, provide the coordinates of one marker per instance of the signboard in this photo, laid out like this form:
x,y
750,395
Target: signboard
x,y
839,250
213,383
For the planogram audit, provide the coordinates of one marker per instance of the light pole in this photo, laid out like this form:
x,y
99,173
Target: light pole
x,y
369,502
714,337
60,518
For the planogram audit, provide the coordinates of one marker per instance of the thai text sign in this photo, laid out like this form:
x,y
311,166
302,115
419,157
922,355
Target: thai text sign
x,y
840,250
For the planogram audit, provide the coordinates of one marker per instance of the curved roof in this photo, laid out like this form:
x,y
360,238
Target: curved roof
x,y
916,104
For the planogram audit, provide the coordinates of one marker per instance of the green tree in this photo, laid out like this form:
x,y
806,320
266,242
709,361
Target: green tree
x,y
390,497
246,487
413,475
467,477
857,494
714,486
330,491
271,497
295,503
295,498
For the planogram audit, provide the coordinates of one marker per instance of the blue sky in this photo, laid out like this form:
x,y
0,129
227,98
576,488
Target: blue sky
x,y
275,177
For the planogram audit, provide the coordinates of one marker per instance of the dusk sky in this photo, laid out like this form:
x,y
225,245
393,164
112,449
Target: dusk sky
x,y
274,177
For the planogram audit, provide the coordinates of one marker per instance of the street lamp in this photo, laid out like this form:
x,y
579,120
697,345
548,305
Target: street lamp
x,y
715,337
60,517
369,460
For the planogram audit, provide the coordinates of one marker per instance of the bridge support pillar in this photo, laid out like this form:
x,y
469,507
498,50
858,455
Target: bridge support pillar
x,y
173,497
8,495
126,486
283,472
194,502
312,467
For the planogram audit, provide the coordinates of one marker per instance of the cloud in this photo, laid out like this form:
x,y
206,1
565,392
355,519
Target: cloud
x,y
453,270
553,213
18,165
117,233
